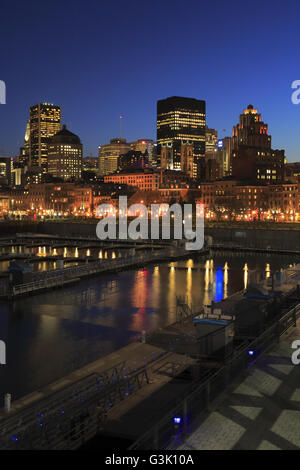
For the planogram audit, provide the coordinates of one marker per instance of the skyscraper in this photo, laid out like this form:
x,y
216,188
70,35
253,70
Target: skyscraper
x,y
252,156
6,168
211,142
22,160
181,121
251,130
224,156
109,155
44,122
65,155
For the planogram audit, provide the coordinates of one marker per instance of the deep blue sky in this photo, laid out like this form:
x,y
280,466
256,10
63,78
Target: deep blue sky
x,y
102,59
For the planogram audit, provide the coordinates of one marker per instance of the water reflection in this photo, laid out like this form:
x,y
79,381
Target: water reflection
x,y
226,280
219,285
245,276
50,334
189,284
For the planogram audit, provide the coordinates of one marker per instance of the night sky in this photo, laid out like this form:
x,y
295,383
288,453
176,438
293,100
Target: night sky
x,y
102,59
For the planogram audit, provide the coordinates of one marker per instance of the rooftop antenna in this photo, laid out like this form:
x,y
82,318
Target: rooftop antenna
x,y
121,117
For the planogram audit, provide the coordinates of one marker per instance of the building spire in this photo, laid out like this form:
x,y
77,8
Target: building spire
x,y
121,117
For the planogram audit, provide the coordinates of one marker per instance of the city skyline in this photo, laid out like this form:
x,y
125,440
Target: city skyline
x,y
150,215
85,72
221,134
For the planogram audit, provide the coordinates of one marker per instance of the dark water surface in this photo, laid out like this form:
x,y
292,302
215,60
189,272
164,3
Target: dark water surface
x,y
50,334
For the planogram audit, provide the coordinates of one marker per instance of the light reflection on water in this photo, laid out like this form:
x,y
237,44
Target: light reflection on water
x,y
51,334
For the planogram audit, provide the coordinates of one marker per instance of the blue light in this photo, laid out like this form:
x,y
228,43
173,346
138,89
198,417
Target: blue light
x,y
219,293
177,420
251,352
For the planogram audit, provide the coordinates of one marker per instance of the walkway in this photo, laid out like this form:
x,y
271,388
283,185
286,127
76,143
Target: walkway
x,y
260,412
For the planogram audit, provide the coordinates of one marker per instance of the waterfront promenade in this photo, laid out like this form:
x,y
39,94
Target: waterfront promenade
x,y
259,411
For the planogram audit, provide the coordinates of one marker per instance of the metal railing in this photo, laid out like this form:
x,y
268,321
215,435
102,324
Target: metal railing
x,y
59,276
193,405
72,416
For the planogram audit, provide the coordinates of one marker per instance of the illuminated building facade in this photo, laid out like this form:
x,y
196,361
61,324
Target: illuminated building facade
x,y
258,165
181,121
292,171
90,164
65,155
186,157
108,157
160,196
174,179
251,130
6,170
22,159
143,146
225,147
133,160
232,199
285,199
17,176
252,157
144,180
5,204
44,122
50,198
211,142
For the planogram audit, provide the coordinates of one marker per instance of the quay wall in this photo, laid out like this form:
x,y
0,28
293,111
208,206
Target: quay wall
x,y
273,236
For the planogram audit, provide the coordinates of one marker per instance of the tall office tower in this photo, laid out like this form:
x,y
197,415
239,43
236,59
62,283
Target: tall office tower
x,y
251,131
65,155
179,121
44,122
109,155
224,151
22,160
6,169
211,142
252,156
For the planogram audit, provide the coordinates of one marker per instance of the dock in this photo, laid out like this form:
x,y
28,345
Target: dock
x,y
58,277
96,394
135,392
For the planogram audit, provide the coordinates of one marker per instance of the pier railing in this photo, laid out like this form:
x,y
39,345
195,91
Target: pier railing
x,y
59,277
193,406
73,415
